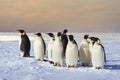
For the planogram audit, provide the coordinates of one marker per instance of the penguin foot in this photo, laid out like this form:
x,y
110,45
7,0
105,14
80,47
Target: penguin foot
x,y
45,60
68,66
25,56
28,56
98,68
83,64
59,65
71,66
38,59
51,62
55,64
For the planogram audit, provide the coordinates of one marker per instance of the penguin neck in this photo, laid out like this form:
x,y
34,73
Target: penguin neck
x,y
84,39
92,42
51,39
58,38
39,38
64,33
71,42
97,43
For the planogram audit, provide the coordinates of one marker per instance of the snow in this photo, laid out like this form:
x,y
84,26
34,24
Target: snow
x,y
13,67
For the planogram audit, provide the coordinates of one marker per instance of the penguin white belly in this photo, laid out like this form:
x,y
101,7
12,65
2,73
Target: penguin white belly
x,y
19,42
85,55
90,47
97,56
71,55
22,53
84,52
57,52
50,48
39,50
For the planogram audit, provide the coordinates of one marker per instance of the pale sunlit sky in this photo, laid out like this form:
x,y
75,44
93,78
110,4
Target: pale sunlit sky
x,y
55,15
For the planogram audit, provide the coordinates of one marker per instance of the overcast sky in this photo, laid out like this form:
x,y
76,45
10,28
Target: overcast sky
x,y
55,15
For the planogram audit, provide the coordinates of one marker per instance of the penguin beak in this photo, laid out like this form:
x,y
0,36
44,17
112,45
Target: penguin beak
x,y
21,31
18,30
35,34
47,33
90,37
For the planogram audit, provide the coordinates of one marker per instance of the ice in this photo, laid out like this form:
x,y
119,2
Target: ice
x,y
13,67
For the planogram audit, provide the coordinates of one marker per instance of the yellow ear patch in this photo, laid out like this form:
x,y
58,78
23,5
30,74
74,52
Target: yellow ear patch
x,y
98,41
23,33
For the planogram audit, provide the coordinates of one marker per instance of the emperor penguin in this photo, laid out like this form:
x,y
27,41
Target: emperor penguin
x,y
24,44
71,52
39,47
58,50
84,52
64,40
50,47
102,48
98,55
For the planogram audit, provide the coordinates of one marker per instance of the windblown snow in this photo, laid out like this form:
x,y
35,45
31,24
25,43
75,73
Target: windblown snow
x,y
14,67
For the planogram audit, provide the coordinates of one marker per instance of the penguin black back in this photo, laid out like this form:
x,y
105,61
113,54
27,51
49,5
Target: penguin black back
x,y
64,39
25,43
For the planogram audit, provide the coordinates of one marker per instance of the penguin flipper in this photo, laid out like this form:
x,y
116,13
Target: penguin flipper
x,y
44,46
104,53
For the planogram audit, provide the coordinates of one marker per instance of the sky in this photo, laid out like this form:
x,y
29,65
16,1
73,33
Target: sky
x,y
56,15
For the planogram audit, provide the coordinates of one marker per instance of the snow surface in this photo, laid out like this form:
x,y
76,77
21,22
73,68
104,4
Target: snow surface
x,y
13,67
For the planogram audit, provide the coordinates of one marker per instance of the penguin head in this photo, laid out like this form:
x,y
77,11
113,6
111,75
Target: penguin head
x,y
21,31
51,35
92,38
71,38
97,40
86,36
59,34
38,34
65,31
